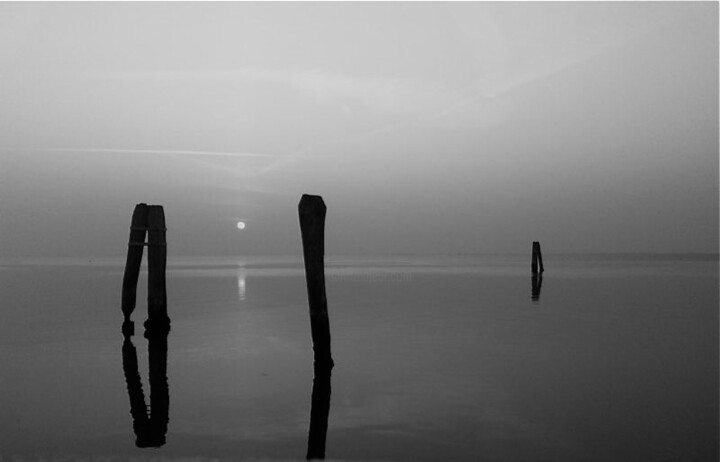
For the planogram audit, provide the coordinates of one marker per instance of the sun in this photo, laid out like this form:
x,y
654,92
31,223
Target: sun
x,y
240,225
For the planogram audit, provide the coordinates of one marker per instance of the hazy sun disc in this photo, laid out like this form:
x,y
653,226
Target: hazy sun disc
x,y
240,225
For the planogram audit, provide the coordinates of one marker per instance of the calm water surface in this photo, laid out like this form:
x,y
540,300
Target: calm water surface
x,y
616,359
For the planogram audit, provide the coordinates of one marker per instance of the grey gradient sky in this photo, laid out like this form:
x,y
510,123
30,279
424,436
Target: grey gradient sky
x,y
427,127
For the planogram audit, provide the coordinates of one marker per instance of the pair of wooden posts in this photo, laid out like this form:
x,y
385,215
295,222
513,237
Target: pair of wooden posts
x,y
146,220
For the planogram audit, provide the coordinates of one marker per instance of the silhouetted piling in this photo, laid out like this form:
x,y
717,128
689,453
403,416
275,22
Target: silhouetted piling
x,y
536,257
136,242
150,220
319,413
157,257
312,210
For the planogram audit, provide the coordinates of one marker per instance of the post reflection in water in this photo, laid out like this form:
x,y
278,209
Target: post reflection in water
x,y
536,286
319,412
150,430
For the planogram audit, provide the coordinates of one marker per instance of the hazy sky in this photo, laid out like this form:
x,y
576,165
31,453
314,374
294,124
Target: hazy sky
x,y
427,127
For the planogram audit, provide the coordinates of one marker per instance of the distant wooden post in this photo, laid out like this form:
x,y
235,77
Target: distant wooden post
x,y
150,220
157,256
536,257
136,242
312,210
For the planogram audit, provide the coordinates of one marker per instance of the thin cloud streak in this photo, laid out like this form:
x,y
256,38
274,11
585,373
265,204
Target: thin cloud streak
x,y
396,96
142,151
203,159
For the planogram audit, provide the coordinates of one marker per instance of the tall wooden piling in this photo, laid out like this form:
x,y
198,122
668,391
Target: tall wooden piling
x,y
312,211
136,242
150,220
157,257
536,258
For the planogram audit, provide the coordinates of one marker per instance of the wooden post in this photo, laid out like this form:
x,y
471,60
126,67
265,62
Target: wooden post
x,y
536,258
150,220
134,258
319,412
312,210
157,256
539,254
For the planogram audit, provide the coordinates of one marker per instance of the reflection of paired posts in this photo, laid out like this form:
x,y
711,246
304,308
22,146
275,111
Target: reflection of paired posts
x,y
151,429
312,212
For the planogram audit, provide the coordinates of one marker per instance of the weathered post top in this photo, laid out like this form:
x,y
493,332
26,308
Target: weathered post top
x,y
156,217
311,204
312,211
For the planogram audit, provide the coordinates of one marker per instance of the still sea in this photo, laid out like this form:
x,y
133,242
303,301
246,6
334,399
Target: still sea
x,y
463,358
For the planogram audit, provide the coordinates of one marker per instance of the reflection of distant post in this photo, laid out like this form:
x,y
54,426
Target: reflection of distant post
x,y
319,411
536,258
536,286
312,210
